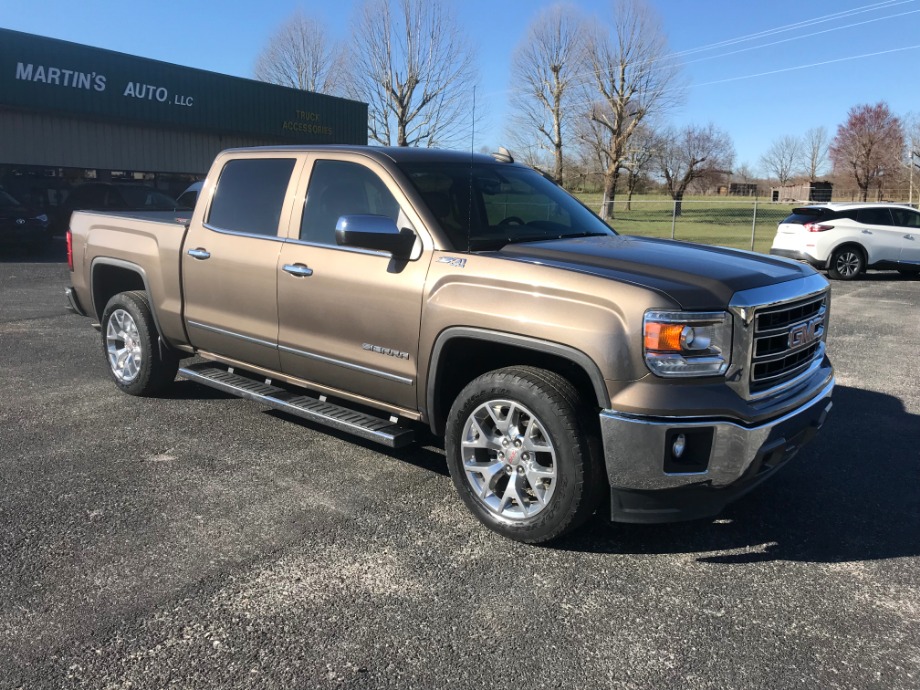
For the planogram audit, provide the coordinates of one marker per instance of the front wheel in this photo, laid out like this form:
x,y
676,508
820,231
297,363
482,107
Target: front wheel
x,y
130,344
846,264
523,455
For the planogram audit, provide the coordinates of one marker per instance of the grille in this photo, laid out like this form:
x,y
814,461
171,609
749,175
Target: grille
x,y
787,338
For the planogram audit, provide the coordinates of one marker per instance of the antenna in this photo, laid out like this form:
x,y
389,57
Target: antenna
x,y
469,214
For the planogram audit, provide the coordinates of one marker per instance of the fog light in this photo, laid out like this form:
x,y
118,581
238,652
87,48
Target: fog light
x,y
680,443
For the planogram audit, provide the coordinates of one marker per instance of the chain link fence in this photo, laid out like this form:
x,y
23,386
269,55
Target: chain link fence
x,y
744,224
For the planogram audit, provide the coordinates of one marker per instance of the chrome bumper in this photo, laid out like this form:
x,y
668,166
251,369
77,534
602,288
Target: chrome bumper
x,y
721,460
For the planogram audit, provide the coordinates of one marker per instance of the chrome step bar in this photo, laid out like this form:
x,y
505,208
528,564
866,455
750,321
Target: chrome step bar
x,y
312,409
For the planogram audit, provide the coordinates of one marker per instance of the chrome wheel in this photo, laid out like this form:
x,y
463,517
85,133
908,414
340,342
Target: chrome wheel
x,y
123,345
508,459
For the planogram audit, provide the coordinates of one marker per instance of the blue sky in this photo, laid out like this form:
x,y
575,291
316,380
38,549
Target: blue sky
x,y
757,94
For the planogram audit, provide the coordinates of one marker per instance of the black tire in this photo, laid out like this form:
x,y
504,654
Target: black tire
x,y
563,421
151,369
847,263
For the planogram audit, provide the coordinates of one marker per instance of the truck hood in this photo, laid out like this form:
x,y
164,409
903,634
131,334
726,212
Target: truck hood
x,y
693,275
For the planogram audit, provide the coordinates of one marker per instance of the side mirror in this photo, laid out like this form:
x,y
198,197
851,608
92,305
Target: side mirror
x,y
374,232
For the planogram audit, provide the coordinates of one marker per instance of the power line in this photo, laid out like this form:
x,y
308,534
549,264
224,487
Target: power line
x,y
799,38
813,64
797,25
582,78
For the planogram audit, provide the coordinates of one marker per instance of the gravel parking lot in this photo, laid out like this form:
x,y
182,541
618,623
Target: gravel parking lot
x,y
198,541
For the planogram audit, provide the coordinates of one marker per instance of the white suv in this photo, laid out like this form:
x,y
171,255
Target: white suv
x,y
846,239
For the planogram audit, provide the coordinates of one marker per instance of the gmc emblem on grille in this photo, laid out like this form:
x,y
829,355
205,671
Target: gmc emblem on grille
x,y
804,333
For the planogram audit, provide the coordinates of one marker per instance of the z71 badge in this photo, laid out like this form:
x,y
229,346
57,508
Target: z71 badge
x,y
453,261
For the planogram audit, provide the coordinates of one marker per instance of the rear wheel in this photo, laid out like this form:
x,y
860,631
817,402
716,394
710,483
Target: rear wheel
x,y
130,341
846,263
523,454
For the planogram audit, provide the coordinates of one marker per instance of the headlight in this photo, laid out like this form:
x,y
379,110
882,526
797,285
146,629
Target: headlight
x,y
680,343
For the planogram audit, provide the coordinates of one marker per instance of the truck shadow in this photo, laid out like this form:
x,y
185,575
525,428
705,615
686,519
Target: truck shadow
x,y
852,495
427,453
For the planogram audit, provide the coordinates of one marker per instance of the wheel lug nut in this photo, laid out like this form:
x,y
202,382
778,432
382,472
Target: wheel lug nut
x,y
501,456
517,444
520,470
509,469
504,442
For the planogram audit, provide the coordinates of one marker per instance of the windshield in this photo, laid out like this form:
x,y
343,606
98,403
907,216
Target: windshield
x,y
483,206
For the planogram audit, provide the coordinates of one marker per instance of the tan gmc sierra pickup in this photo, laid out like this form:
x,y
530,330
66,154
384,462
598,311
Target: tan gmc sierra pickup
x,y
375,290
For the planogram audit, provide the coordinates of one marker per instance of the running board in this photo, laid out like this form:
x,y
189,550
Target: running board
x,y
358,423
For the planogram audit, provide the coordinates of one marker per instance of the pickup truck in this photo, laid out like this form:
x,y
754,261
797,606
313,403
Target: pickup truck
x,y
381,291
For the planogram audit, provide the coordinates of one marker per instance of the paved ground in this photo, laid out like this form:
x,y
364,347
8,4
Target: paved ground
x,y
197,541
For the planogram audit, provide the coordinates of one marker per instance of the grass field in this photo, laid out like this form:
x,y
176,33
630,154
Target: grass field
x,y
703,219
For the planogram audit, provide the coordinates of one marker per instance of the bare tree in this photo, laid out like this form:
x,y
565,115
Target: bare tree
x,y
781,158
815,144
413,66
299,55
638,157
542,72
744,173
690,154
632,77
868,145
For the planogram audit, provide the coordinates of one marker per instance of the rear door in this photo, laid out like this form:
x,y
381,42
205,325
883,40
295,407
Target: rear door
x,y
230,259
349,318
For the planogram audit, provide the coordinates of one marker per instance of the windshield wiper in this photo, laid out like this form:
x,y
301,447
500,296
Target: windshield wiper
x,y
548,237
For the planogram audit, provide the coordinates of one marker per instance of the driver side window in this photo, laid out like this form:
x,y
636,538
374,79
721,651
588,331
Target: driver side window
x,y
340,188
906,218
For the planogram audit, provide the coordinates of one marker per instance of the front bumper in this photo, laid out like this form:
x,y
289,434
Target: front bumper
x,y
722,460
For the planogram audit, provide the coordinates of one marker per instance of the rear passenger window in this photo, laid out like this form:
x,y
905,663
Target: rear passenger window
x,y
249,195
340,188
873,216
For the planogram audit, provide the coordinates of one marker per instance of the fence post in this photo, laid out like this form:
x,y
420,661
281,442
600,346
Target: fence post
x,y
673,219
754,224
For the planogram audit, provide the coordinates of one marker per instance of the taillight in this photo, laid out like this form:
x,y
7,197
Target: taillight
x,y
69,251
817,227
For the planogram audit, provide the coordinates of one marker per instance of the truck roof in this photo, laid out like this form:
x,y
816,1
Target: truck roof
x,y
397,154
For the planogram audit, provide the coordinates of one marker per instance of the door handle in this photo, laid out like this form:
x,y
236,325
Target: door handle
x,y
200,254
908,237
298,270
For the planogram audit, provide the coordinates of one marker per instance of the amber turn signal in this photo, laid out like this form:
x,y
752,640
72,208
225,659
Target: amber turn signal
x,y
663,337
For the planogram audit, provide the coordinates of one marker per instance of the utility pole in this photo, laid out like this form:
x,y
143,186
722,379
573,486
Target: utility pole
x,y
910,164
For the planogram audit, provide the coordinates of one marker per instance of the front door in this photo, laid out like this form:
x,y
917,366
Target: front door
x,y
884,240
349,319
907,222
230,260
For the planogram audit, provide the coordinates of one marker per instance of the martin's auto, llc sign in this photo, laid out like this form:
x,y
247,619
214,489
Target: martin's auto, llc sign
x,y
38,73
